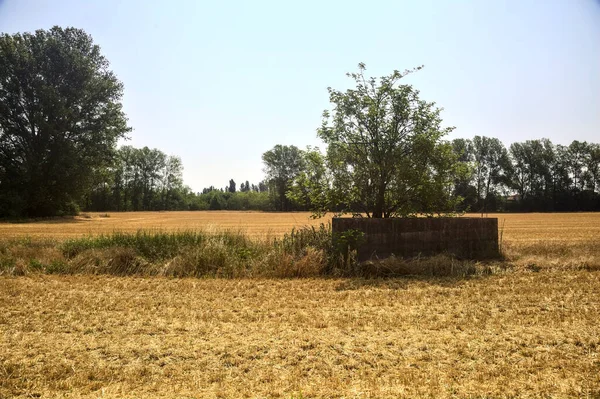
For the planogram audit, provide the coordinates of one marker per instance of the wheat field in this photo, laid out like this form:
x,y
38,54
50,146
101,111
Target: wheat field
x,y
256,224
525,227
530,330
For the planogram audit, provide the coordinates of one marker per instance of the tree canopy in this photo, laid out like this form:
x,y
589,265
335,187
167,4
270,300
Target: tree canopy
x,y
60,119
385,154
282,164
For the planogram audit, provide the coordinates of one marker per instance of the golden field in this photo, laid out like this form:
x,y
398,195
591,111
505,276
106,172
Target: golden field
x,y
530,329
251,223
573,227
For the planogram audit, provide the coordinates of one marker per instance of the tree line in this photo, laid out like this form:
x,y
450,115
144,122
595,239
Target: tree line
x,y
528,176
534,175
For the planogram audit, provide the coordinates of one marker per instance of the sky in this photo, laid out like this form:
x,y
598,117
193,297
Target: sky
x,y
218,83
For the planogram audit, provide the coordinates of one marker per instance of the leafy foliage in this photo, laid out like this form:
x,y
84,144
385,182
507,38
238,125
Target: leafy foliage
x,y
534,175
60,119
282,165
385,154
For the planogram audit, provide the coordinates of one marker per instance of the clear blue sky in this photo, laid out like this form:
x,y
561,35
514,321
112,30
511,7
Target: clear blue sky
x,y
218,83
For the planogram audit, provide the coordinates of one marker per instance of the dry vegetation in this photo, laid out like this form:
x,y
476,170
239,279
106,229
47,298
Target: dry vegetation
x,y
253,224
528,329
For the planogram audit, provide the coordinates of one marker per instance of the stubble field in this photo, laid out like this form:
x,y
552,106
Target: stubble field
x,y
255,224
530,330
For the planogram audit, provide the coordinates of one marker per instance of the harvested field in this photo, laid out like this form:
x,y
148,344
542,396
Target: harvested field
x,y
255,224
521,334
524,227
529,329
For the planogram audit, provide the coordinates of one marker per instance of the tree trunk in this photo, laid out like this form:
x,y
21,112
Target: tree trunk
x,y
380,202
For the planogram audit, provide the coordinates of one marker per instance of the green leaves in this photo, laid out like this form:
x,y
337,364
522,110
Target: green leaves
x,y
385,156
60,118
282,165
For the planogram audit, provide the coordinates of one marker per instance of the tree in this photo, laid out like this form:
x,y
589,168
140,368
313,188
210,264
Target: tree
x,y
593,167
282,164
172,181
463,150
309,188
151,162
561,181
245,187
577,159
217,201
531,177
60,119
493,167
231,187
385,151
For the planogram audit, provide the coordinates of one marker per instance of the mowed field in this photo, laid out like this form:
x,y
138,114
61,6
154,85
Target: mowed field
x,y
255,224
516,228
530,329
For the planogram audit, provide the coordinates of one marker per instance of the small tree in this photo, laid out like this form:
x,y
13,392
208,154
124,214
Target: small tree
x,y
385,154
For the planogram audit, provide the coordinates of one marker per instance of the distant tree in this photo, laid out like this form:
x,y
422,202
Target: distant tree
x,y
577,159
217,201
385,150
139,179
463,150
492,168
207,190
151,162
282,165
60,119
561,181
231,187
171,182
531,165
592,164
245,187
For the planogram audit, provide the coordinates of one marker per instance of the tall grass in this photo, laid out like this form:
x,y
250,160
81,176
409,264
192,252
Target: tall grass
x,y
303,252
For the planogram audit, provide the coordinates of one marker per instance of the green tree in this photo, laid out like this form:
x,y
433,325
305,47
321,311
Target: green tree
x,y
385,150
60,119
172,182
245,187
310,187
592,162
217,201
231,187
463,150
578,152
282,164
493,168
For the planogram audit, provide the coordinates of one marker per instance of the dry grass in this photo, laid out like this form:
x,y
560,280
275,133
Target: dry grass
x,y
552,241
254,224
521,334
527,329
